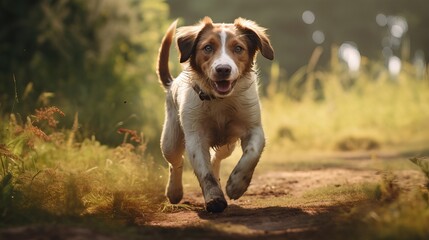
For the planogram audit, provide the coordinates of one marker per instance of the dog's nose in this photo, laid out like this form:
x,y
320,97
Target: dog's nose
x,y
223,70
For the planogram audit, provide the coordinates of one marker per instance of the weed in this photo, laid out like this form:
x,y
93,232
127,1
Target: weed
x,y
171,208
6,194
132,133
47,114
423,164
388,212
52,176
388,189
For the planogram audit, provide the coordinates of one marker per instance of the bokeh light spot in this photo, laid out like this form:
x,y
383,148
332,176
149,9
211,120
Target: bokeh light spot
x,y
308,17
394,65
381,20
349,53
318,37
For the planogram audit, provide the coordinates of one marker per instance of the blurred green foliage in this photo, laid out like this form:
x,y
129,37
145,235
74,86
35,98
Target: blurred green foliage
x,y
96,58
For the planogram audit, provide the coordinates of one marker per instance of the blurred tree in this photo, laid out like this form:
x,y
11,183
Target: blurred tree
x,y
338,20
92,57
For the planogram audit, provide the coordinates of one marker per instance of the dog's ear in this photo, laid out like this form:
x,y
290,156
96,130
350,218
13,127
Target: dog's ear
x,y
187,37
256,34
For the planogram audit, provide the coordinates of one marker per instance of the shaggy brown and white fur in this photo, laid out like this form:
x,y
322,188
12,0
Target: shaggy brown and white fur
x,y
212,104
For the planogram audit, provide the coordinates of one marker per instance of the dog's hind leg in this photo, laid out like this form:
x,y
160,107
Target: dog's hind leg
x,y
220,154
173,147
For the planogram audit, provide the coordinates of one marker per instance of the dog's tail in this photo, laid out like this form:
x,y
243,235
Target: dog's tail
x,y
164,51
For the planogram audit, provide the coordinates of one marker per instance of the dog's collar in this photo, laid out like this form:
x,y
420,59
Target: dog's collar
x,y
203,96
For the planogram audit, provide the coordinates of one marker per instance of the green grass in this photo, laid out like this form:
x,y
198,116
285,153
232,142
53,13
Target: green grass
x,y
388,213
46,173
369,111
423,164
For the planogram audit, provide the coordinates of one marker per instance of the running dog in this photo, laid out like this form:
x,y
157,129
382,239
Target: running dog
x,y
212,104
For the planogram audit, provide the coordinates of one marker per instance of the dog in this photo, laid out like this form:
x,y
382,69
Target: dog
x,y
212,104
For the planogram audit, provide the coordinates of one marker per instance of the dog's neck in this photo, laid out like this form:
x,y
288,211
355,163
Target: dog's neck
x,y
203,95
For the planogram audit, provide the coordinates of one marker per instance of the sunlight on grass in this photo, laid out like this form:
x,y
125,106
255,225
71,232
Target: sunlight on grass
x,y
343,113
339,193
47,174
171,208
389,213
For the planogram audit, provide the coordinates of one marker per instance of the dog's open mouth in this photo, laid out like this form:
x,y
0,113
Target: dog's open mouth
x,y
224,86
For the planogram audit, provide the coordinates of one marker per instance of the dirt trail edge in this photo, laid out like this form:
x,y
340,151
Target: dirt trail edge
x,y
277,205
274,205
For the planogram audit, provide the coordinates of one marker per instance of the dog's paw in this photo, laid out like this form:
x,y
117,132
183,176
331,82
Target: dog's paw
x,y
216,205
237,184
174,194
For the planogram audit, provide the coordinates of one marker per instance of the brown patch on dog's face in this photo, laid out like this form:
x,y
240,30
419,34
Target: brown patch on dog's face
x,y
224,44
222,53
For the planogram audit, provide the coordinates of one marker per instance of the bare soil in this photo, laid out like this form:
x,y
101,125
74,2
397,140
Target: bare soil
x,y
271,208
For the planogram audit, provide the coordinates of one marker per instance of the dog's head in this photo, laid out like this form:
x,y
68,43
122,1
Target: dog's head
x,y
222,53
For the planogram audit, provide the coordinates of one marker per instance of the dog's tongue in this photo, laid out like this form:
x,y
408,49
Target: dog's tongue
x,y
223,86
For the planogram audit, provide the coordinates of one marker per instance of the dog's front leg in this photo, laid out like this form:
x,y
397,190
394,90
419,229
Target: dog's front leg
x,y
252,144
199,156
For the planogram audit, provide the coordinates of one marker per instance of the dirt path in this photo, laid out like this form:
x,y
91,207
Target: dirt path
x,y
268,208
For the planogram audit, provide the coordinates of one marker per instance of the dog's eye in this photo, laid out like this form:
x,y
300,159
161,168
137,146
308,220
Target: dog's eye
x,y
238,49
208,49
